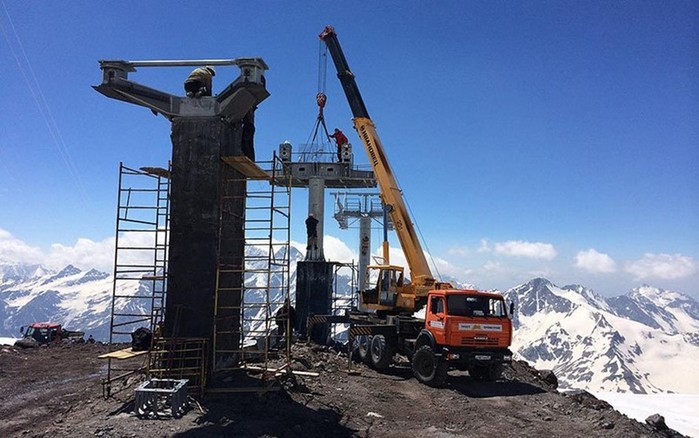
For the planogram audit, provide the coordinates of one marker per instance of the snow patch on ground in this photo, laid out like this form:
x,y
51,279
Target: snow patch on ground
x,y
7,341
681,411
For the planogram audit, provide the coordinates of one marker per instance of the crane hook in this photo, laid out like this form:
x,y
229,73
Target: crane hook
x,y
321,98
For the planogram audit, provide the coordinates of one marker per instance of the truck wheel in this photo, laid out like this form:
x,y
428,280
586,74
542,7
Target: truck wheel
x,y
381,352
494,373
428,368
363,348
477,373
486,374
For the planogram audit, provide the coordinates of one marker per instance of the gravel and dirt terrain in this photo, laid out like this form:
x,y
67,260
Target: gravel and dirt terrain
x,y
56,392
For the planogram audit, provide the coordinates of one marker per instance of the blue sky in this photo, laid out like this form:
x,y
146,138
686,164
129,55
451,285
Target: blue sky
x,y
530,138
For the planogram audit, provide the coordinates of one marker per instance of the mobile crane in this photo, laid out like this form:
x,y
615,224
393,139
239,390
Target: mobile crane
x,y
464,329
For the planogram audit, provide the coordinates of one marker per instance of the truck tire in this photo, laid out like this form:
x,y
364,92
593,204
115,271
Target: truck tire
x,y
428,368
27,343
487,374
381,353
363,348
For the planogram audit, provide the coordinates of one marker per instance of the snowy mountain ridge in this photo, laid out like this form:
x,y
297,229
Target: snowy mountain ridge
x,y
624,343
620,344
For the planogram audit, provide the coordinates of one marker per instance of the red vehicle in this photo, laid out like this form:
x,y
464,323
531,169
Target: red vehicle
x,y
44,333
465,329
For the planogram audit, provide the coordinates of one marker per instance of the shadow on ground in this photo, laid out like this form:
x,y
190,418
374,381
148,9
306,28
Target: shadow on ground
x,y
502,388
271,414
460,381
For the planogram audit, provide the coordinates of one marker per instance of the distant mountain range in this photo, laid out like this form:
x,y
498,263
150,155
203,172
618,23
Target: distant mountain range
x,y
645,341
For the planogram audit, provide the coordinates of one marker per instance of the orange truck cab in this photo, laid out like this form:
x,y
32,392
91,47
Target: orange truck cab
x,y
465,329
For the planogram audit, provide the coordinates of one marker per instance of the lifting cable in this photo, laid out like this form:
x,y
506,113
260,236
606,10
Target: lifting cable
x,y
321,100
422,238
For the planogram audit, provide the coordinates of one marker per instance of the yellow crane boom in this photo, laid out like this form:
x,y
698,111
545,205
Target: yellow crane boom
x,y
390,294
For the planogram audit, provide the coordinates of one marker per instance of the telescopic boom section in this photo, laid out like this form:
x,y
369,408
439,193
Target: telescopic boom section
x,y
390,192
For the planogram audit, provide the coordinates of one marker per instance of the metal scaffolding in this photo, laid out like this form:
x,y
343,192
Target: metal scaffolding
x,y
249,292
140,265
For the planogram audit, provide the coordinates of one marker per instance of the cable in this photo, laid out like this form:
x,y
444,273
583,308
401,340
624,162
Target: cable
x,y
322,66
422,238
43,106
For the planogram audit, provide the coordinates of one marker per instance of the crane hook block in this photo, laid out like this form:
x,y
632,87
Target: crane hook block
x,y
321,98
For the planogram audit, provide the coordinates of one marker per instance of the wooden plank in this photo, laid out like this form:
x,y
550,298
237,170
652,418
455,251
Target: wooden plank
x,y
246,166
280,371
305,373
157,171
126,353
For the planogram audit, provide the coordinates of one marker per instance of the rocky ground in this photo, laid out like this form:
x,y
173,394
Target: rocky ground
x,y
57,392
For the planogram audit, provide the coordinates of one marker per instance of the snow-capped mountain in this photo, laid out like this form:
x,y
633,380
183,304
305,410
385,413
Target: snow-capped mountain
x,y
642,342
645,341
78,300
82,300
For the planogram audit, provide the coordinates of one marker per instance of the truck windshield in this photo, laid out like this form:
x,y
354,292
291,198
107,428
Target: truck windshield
x,y
40,334
471,305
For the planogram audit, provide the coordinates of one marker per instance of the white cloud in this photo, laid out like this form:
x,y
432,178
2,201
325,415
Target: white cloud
x,y
458,251
334,249
663,266
440,268
88,254
595,262
15,250
492,266
542,272
85,253
337,250
449,270
485,246
520,248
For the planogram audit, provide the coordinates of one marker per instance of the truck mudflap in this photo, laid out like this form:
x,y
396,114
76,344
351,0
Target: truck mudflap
x,y
468,357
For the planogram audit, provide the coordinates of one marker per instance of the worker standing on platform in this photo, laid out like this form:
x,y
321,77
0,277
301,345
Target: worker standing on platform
x,y
340,140
199,82
312,232
248,135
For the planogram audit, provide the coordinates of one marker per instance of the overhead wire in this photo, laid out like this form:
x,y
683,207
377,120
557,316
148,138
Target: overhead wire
x,y
41,103
422,237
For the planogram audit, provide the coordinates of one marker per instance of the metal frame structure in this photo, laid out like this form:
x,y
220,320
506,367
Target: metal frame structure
x,y
342,303
231,104
317,170
362,207
266,277
180,358
140,263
